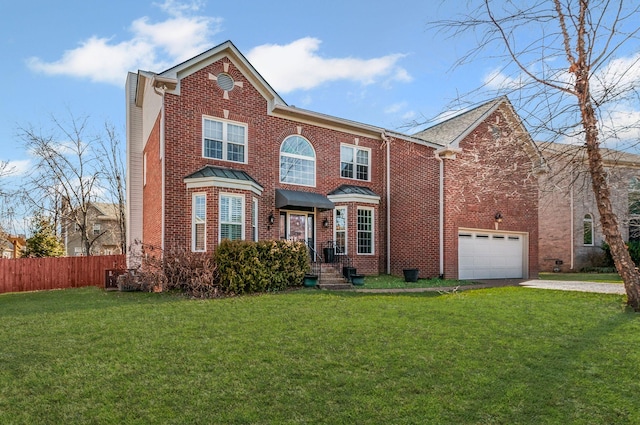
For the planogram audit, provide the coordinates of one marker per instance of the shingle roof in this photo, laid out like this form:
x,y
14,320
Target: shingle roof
x,y
561,151
453,129
347,189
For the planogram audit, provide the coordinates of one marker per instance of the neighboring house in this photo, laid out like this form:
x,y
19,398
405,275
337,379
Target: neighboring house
x,y
213,152
570,232
103,232
11,246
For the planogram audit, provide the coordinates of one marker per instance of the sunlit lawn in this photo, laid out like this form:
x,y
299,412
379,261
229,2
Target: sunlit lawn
x,y
498,356
394,282
583,277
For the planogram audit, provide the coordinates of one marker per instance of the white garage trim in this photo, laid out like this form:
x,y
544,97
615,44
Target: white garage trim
x,y
490,254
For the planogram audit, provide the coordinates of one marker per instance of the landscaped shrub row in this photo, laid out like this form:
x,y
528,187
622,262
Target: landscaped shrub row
x,y
237,267
245,267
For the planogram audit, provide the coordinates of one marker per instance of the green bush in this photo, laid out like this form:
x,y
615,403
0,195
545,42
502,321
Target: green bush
x,y
246,267
634,251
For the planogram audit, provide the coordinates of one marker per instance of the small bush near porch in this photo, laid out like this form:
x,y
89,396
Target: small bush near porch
x,y
504,355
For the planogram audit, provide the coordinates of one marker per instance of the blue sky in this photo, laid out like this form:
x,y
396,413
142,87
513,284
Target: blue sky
x,y
352,59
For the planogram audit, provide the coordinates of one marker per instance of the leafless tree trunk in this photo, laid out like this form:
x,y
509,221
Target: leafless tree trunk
x,y
571,101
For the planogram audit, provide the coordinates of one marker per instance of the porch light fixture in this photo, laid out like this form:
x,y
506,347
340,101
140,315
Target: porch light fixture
x,y
325,223
498,217
271,219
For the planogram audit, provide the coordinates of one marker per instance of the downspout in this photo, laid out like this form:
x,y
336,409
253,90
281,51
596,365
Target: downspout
x,y
441,213
387,142
161,92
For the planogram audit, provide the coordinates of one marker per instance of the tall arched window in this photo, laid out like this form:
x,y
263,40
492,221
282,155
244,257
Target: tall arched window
x,y
634,209
588,229
297,161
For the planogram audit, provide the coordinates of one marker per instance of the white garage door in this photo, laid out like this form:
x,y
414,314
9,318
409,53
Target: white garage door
x,y
488,255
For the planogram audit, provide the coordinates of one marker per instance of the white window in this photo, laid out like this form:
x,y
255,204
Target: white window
x,y
199,222
224,140
96,229
297,161
340,222
78,251
354,162
254,220
365,230
231,217
588,229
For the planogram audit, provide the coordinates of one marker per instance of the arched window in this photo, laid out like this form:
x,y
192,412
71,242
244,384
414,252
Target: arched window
x,y
634,209
588,229
297,161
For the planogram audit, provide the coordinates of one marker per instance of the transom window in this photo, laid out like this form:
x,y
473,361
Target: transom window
x,y
224,140
297,162
231,217
354,162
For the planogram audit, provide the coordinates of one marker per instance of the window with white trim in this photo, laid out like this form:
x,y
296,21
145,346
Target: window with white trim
x,y
588,229
224,140
354,162
365,230
297,161
199,222
231,217
254,220
97,228
340,223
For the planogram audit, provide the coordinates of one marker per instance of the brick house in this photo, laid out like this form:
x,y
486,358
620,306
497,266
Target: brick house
x,y
214,152
570,233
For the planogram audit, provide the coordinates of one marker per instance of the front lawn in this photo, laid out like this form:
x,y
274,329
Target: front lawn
x,y
495,356
385,281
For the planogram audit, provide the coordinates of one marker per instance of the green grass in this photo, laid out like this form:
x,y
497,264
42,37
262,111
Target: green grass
x,y
583,277
385,281
497,356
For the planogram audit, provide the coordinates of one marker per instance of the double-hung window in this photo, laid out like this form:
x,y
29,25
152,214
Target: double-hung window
x,y
199,222
224,140
354,162
341,229
231,217
365,230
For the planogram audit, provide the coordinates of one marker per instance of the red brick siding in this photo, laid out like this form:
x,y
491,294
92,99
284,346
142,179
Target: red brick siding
x,y
152,190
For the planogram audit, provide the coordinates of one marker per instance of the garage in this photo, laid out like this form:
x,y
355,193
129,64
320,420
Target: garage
x,y
490,255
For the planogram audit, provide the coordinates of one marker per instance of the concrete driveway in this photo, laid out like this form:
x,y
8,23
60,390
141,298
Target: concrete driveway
x,y
603,288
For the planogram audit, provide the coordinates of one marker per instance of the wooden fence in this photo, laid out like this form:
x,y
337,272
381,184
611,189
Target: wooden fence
x,y
34,274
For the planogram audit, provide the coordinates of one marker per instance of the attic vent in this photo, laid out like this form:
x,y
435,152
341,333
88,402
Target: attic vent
x,y
225,81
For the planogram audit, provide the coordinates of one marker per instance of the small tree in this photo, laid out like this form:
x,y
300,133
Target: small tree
x,y
44,242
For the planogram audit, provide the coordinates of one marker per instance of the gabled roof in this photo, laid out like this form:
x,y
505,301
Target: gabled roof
x,y
564,152
107,211
453,130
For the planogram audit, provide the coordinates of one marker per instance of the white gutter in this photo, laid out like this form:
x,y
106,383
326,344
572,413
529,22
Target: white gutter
x,y
387,141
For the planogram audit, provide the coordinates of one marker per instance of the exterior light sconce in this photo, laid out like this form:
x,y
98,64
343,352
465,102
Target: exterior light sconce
x,y
270,220
325,223
498,219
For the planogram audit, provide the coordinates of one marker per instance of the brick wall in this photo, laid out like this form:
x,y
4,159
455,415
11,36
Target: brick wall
x,y
152,190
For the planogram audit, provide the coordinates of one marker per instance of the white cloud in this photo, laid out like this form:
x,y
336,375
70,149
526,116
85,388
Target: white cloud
x,y
395,108
17,167
101,59
497,80
298,65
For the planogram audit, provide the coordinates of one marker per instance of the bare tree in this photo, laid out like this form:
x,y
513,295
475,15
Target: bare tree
x,y
565,73
115,178
73,171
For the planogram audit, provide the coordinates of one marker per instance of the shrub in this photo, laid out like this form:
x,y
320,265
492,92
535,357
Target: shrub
x,y
634,251
245,267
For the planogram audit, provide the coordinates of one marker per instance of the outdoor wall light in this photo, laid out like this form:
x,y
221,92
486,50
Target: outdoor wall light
x,y
498,217
325,223
271,219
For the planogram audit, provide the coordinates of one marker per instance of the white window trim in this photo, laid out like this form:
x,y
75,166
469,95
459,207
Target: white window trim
x,y
593,235
225,141
254,224
193,222
346,226
373,230
244,214
291,155
356,148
